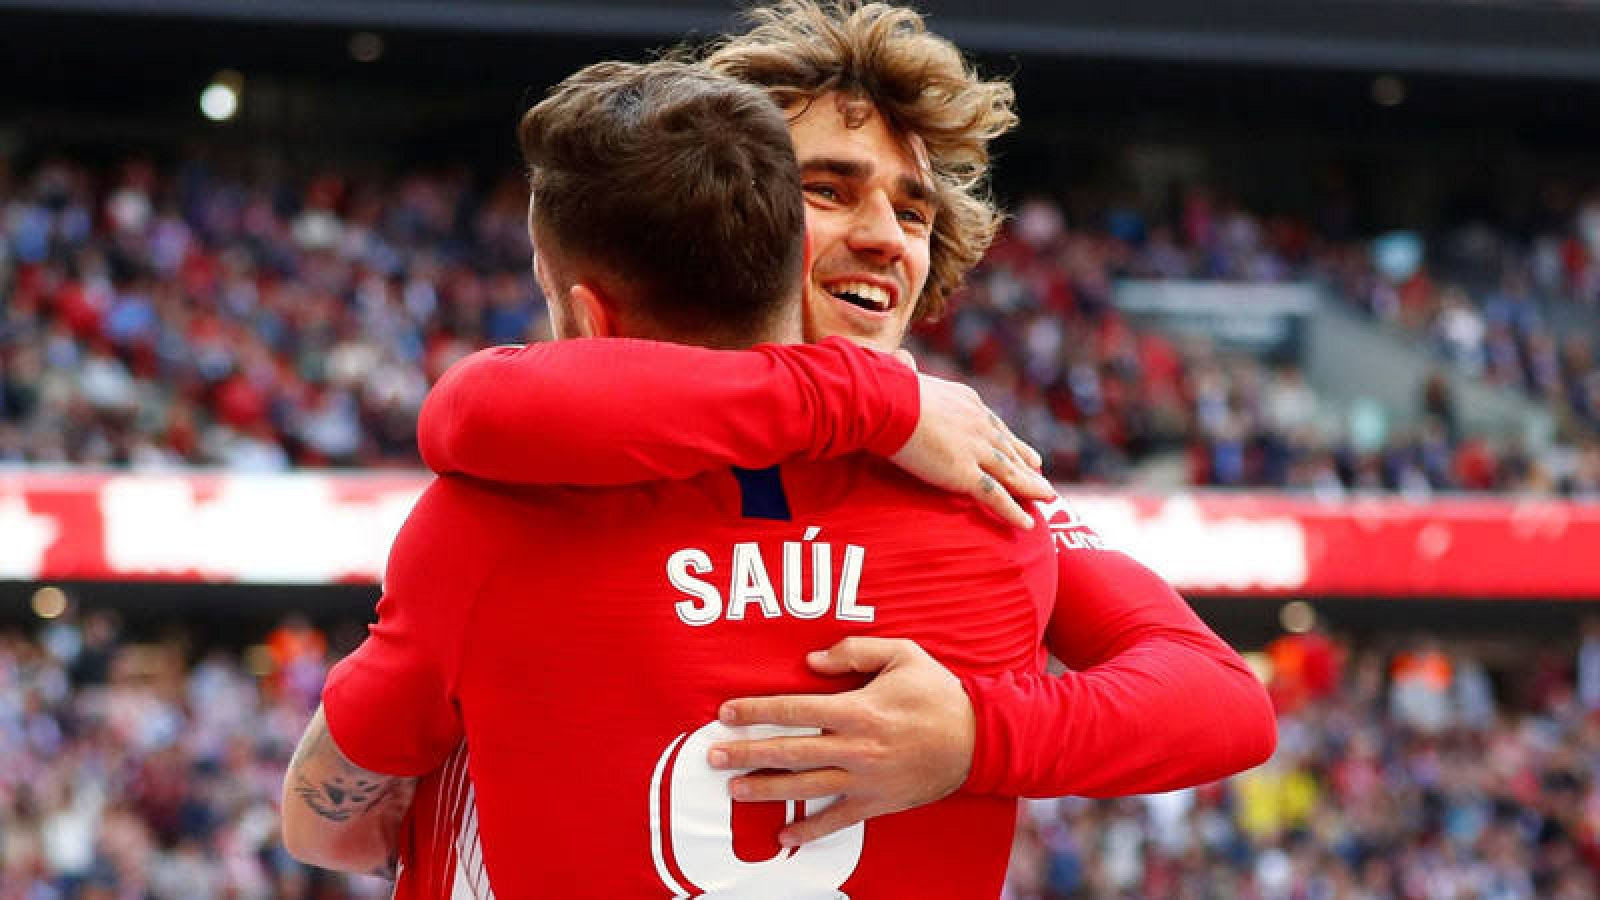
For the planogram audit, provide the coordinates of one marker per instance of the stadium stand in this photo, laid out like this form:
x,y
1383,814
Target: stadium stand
x,y
1398,775
259,322
150,767
159,319
186,305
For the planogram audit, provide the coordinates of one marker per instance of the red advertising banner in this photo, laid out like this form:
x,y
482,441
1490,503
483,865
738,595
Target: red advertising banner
x,y
1276,545
320,529
270,529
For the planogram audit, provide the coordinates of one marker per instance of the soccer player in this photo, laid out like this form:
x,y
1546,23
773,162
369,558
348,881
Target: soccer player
x,y
582,641
891,128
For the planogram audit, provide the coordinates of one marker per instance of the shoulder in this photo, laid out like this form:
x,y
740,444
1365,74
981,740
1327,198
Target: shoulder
x,y
875,494
489,517
464,519
454,502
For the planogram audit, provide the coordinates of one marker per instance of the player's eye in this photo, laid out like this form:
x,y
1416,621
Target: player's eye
x,y
913,216
824,191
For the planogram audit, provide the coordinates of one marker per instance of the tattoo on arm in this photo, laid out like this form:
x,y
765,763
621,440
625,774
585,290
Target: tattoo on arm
x,y
358,808
340,797
336,788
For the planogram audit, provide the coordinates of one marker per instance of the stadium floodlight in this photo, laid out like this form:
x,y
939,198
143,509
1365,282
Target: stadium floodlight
x,y
219,102
1297,617
366,47
1388,90
49,602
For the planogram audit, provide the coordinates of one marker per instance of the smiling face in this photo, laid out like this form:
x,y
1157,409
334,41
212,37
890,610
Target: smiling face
x,y
869,215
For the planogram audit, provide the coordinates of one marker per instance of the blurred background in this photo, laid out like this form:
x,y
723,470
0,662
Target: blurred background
x,y
1299,299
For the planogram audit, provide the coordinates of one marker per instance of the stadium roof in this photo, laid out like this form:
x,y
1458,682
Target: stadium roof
x,y
1527,38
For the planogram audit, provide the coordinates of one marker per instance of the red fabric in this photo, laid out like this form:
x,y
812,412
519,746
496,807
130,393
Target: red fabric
x,y
438,836
1124,722
608,411
1124,718
566,657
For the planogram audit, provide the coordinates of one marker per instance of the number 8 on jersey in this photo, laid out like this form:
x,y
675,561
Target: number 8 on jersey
x,y
691,830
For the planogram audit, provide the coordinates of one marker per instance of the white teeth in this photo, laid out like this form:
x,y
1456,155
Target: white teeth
x,y
871,293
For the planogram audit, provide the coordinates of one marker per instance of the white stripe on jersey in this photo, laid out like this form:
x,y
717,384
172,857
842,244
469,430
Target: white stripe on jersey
x,y
457,866
471,879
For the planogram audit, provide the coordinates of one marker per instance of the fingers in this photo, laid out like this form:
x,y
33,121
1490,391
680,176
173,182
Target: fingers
x,y
826,711
863,655
1019,480
1015,447
997,499
848,811
1022,483
794,753
1014,466
809,785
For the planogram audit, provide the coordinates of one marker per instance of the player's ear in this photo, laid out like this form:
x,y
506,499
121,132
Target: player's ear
x,y
590,312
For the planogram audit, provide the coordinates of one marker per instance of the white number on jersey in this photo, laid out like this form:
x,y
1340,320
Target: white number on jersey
x,y
698,830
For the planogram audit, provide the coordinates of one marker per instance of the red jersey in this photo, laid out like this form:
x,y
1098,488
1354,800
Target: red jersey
x,y
439,853
1121,720
581,642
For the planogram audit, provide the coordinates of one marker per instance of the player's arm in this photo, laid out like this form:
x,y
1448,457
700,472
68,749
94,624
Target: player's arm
x,y
1127,721
902,741
1153,699
338,815
607,411
388,709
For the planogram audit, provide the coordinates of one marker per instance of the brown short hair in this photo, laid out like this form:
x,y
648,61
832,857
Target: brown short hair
x,y
800,50
680,182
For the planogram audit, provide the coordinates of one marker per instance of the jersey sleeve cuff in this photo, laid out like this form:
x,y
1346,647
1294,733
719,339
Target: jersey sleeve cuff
x,y
902,398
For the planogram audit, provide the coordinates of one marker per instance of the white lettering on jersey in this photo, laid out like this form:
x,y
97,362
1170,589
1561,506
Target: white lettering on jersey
x,y
821,577
849,582
679,564
1067,529
750,584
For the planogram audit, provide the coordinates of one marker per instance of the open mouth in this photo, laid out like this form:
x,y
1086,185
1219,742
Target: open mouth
x,y
869,297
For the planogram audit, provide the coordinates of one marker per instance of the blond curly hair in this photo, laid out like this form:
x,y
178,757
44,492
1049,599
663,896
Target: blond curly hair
x,y
919,82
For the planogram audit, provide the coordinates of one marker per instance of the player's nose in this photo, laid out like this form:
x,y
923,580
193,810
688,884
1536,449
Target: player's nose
x,y
876,229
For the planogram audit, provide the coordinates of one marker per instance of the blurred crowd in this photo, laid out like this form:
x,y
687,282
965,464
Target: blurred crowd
x,y
1406,775
236,316
1038,332
245,320
152,769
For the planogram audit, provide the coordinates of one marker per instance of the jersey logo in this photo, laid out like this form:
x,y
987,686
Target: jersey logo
x,y
1068,530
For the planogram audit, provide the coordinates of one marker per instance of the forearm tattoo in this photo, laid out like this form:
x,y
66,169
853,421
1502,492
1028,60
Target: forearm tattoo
x,y
335,788
339,798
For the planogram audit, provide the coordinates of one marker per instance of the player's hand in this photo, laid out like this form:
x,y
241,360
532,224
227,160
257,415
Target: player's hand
x,y
903,740
963,447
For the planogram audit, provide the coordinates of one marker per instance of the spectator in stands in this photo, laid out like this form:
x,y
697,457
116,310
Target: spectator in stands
x,y
131,773
214,315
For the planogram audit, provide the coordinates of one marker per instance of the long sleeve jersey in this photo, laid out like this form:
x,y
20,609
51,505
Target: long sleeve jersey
x,y
1151,700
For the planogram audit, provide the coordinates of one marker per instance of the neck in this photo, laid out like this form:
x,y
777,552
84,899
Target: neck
x,y
785,328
